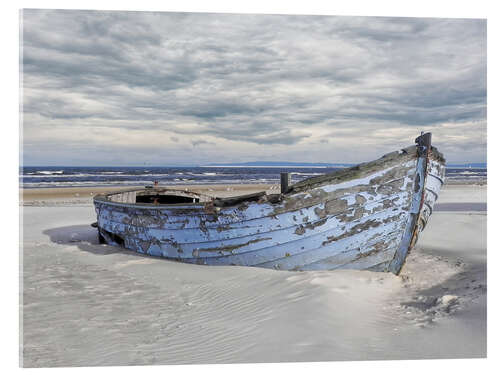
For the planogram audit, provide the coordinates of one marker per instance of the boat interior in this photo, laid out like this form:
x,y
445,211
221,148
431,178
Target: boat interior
x,y
157,196
164,196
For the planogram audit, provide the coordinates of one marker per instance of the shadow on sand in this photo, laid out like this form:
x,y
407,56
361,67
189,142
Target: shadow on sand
x,y
467,285
85,238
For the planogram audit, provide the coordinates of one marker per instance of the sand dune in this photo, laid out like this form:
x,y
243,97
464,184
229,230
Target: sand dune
x,y
88,304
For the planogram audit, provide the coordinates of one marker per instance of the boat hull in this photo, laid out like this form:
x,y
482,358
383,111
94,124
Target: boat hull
x,y
366,217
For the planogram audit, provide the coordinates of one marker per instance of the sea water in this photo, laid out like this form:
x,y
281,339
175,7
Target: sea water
x,y
60,176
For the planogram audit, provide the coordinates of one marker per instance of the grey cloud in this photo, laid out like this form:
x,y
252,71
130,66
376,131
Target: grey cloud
x,y
201,142
251,79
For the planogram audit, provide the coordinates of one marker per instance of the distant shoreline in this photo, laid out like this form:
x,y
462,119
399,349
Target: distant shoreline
x,y
274,166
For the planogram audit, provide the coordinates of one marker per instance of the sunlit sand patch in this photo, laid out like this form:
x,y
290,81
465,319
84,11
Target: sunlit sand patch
x,y
135,262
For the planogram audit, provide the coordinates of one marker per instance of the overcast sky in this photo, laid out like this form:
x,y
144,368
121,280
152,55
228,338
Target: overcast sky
x,y
128,88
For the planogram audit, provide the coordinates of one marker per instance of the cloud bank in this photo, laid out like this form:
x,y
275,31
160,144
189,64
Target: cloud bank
x,y
127,88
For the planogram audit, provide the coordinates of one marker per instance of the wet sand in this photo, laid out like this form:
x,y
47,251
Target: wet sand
x,y
86,304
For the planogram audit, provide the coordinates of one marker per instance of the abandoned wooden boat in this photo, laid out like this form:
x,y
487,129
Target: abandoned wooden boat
x,y
365,217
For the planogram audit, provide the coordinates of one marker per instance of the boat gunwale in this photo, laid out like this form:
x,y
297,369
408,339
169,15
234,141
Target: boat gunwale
x,y
359,168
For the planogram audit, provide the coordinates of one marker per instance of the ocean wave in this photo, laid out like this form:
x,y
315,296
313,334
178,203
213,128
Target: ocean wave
x,y
470,173
306,174
94,175
49,172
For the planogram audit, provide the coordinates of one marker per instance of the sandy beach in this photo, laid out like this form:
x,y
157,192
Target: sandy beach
x,y
85,304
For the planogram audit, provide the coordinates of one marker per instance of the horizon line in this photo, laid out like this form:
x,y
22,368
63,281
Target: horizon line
x,y
220,165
